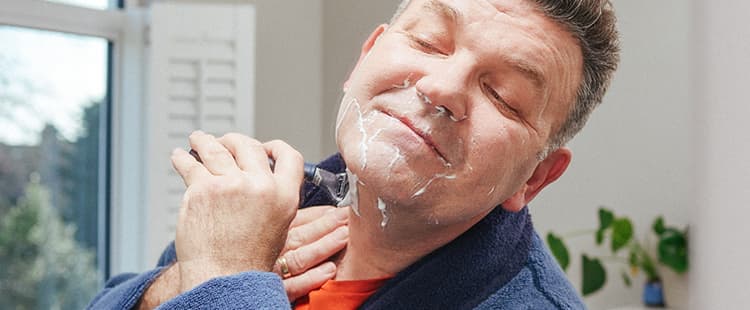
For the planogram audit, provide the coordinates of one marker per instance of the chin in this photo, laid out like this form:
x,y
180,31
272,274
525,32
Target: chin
x,y
386,177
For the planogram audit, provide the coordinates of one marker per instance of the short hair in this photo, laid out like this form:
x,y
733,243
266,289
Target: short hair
x,y
593,24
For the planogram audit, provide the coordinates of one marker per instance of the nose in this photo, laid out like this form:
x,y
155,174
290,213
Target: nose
x,y
445,87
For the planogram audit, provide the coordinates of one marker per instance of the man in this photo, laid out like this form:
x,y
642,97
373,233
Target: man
x,y
453,119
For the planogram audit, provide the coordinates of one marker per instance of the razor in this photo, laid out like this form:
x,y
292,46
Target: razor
x,y
336,185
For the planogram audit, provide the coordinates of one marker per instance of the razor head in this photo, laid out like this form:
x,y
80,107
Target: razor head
x,y
335,184
342,180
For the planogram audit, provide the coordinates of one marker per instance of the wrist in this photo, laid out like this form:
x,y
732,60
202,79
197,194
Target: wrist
x,y
165,287
194,273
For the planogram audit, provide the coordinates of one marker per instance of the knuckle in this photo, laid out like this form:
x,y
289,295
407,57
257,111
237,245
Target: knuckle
x,y
231,136
295,261
192,169
296,155
294,240
276,142
227,187
252,141
234,138
215,151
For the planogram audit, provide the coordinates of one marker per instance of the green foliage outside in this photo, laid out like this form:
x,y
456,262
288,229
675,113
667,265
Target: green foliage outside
x,y
43,267
671,251
49,207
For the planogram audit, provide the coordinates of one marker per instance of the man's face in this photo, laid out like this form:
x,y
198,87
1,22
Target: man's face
x,y
448,108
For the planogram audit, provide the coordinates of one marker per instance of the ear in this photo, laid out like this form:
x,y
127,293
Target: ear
x,y
546,172
366,47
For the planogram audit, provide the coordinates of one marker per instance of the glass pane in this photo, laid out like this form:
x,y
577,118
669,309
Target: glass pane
x,y
92,4
52,92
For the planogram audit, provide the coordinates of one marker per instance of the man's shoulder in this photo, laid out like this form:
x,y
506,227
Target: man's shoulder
x,y
540,284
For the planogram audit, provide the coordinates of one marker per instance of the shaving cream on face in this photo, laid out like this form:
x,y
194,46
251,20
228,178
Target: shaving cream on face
x,y
363,143
405,84
433,220
351,198
361,122
381,207
421,190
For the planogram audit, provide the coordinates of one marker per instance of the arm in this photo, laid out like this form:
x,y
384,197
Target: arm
x,y
124,291
316,234
165,287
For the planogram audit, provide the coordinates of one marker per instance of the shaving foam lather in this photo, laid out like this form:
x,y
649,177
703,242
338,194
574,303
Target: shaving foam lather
x,y
335,184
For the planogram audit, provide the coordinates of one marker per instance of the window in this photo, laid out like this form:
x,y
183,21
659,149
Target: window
x,y
92,4
53,160
60,97
48,134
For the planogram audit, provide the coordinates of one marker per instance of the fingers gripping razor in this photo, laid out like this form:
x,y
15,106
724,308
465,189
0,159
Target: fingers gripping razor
x,y
336,185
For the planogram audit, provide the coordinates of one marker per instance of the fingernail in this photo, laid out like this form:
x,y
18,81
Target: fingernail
x,y
328,268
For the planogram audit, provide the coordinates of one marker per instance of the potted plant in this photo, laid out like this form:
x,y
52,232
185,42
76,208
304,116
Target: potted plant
x,y
627,251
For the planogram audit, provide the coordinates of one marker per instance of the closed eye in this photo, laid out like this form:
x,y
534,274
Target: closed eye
x,y
499,100
424,45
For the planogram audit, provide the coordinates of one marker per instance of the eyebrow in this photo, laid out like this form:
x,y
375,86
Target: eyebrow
x,y
528,70
443,9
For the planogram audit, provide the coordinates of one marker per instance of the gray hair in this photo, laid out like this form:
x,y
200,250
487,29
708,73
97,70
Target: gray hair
x,y
592,23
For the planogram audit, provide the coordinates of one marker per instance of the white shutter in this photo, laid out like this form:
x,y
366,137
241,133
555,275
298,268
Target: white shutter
x,y
201,77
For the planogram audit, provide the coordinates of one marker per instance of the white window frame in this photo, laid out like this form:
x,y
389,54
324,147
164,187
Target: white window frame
x,y
124,28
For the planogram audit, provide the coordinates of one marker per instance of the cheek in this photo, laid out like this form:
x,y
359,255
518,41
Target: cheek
x,y
499,158
350,129
388,65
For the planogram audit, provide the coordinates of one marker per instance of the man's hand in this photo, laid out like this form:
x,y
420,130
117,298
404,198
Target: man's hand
x,y
316,234
236,211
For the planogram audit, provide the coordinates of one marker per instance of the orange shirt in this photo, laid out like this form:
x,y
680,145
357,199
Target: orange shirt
x,y
340,295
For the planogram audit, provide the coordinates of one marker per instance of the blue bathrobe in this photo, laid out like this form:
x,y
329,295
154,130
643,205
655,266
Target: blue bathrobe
x,y
500,263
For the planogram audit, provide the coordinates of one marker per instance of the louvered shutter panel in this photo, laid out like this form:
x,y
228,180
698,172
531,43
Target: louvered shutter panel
x,y
201,77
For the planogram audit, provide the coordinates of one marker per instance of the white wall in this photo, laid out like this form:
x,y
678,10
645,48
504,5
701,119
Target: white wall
x,y
288,78
635,156
720,234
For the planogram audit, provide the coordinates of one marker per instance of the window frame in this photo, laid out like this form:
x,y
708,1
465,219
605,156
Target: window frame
x,y
120,214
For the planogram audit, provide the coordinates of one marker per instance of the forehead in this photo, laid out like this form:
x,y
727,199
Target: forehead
x,y
513,31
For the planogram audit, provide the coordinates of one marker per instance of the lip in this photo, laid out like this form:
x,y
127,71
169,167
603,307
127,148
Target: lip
x,y
427,138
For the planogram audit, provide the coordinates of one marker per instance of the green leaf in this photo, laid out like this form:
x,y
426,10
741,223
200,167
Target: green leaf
x,y
673,250
559,250
658,225
599,236
633,259
605,218
626,278
622,232
594,275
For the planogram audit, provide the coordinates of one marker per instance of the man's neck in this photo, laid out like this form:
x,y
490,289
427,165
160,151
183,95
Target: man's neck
x,y
377,251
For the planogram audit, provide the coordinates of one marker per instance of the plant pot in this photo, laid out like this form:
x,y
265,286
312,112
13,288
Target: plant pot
x,y
653,295
675,288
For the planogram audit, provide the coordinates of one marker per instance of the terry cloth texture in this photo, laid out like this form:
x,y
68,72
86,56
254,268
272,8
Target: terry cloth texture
x,y
500,263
